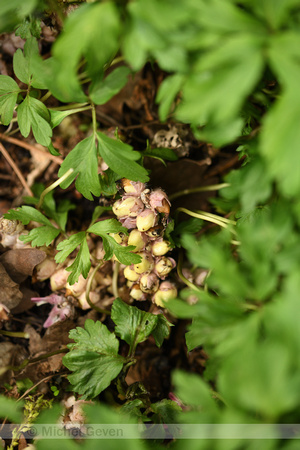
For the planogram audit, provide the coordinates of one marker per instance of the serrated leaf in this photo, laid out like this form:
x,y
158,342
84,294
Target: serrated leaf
x,y
27,213
107,226
108,183
9,91
31,26
124,254
81,264
135,326
68,246
162,330
33,114
93,358
22,64
161,154
41,236
103,90
83,159
121,158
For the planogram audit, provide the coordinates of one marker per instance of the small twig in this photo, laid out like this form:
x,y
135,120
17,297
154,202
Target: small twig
x,y
115,279
30,148
16,170
17,334
212,187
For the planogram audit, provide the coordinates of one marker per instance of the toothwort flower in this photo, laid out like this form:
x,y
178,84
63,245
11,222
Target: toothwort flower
x,y
60,311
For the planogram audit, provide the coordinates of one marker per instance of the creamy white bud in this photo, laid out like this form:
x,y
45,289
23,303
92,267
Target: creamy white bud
x,y
130,274
132,187
146,265
164,266
130,206
136,293
77,288
149,283
94,297
166,292
136,238
146,220
119,237
59,279
160,247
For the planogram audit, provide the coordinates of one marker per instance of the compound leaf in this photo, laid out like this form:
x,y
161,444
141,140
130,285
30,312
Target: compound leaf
x,y
68,246
81,264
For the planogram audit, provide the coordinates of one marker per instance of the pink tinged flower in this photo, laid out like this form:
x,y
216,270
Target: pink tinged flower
x,y
149,283
166,292
60,311
128,222
159,201
132,187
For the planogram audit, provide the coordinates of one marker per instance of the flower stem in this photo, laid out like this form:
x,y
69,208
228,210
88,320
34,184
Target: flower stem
x,y
46,96
183,278
88,289
212,187
218,220
69,107
17,334
53,186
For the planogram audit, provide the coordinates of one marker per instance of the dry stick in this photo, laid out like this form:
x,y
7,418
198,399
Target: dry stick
x,y
16,170
31,148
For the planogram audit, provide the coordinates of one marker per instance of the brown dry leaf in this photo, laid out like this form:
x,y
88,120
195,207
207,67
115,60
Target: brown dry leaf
x,y
10,292
55,338
40,162
26,302
19,263
10,355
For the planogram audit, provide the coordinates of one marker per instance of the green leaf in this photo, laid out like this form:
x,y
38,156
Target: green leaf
x,y
193,391
121,158
135,326
22,64
162,330
31,26
81,264
279,142
104,227
33,114
11,409
13,12
99,23
83,159
161,153
93,358
167,92
68,246
108,183
221,80
9,91
190,226
56,117
27,213
103,90
41,235
166,410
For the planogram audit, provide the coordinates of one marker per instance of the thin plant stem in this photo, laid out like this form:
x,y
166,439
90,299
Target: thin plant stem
x,y
76,110
88,289
15,169
94,119
183,278
53,186
17,334
69,107
115,279
206,216
212,187
46,96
